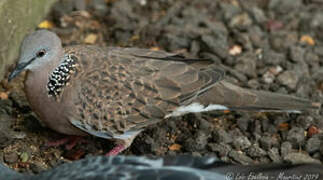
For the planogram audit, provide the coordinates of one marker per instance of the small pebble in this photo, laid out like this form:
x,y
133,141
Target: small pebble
x,y
241,143
289,79
11,157
313,144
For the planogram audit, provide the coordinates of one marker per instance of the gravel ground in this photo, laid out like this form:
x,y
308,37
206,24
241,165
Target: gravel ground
x,y
271,45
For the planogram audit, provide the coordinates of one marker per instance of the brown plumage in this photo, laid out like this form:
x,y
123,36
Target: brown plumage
x,y
116,92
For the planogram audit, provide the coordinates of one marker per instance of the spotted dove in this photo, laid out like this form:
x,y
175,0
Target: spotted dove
x,y
166,168
114,93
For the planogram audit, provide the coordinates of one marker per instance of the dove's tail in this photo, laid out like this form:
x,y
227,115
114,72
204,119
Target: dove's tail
x,y
235,98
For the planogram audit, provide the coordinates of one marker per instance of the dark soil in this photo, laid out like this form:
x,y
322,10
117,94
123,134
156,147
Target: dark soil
x,y
281,44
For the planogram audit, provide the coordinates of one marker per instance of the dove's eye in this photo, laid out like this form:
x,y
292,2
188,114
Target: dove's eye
x,y
41,53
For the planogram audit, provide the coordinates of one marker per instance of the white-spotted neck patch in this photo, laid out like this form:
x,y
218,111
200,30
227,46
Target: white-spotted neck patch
x,y
195,108
60,77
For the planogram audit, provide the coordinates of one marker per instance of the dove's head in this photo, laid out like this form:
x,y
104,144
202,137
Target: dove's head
x,y
37,49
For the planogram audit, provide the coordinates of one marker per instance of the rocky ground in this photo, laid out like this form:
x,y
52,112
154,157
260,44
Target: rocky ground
x,y
271,45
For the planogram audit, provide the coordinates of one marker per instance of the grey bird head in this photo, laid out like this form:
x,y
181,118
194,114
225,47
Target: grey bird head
x,y
36,50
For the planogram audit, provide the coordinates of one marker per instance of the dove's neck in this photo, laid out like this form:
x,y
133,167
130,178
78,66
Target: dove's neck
x,y
36,84
37,78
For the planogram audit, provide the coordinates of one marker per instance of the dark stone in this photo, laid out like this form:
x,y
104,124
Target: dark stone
x,y
266,142
305,121
282,40
243,123
316,24
296,136
273,58
99,6
222,136
318,50
285,6
289,79
4,140
36,168
286,148
11,157
256,151
273,154
313,144
240,157
241,143
257,37
217,45
244,40
258,15
204,126
246,64
229,11
221,148
296,53
6,106
241,21
198,143
240,76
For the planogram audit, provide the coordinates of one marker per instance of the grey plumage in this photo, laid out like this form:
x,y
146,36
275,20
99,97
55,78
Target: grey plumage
x,y
167,168
115,93
9,174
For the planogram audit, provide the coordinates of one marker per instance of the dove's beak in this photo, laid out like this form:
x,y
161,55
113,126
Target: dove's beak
x,y
19,68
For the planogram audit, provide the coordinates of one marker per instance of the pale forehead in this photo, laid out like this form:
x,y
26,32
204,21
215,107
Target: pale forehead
x,y
38,39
